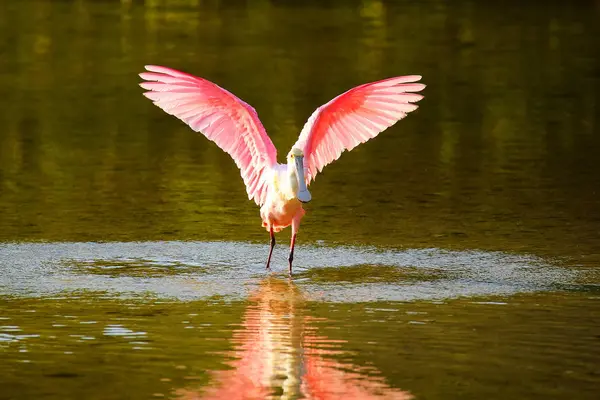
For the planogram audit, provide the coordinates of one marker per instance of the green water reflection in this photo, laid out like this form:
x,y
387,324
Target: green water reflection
x,y
501,155
279,344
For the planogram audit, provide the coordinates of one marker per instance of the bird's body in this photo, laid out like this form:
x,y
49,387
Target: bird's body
x,y
282,204
280,189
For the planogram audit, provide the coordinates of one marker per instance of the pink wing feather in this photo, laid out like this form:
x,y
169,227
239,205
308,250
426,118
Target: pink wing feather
x,y
222,117
354,117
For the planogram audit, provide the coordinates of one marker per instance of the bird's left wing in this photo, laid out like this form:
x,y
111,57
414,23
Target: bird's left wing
x,y
354,117
222,117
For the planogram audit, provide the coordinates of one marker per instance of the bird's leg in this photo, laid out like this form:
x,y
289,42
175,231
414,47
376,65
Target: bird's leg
x,y
291,256
272,247
295,225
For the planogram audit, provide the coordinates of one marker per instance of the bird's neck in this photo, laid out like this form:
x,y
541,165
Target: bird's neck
x,y
291,180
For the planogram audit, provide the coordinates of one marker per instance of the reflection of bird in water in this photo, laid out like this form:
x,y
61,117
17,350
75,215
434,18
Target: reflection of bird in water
x,y
280,356
352,118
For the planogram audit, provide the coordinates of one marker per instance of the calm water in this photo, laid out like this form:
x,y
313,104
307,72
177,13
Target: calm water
x,y
455,256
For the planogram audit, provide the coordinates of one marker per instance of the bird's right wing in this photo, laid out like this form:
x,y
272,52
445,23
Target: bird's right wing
x,y
222,117
353,118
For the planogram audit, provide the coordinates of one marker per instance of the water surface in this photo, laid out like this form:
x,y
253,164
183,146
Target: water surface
x,y
455,256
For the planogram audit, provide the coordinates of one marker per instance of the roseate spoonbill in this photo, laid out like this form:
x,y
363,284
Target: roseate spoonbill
x,y
346,121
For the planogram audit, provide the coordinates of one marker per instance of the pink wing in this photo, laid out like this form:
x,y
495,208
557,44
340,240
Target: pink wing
x,y
354,117
222,117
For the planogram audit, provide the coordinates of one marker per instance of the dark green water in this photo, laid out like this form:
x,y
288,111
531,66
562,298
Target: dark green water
x,y
455,256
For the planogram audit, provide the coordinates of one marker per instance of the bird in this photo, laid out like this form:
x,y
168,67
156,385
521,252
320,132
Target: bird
x,y
280,190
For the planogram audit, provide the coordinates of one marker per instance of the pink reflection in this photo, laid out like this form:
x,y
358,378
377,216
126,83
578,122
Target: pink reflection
x,y
279,355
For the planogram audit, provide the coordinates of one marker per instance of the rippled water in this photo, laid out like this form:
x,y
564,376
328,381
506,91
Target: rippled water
x,y
281,342
455,256
202,320
196,270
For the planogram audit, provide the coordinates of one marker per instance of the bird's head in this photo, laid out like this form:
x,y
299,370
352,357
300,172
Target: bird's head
x,y
296,159
295,152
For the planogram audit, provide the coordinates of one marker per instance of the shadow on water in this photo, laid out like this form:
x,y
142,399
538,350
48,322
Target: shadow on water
x,y
199,270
